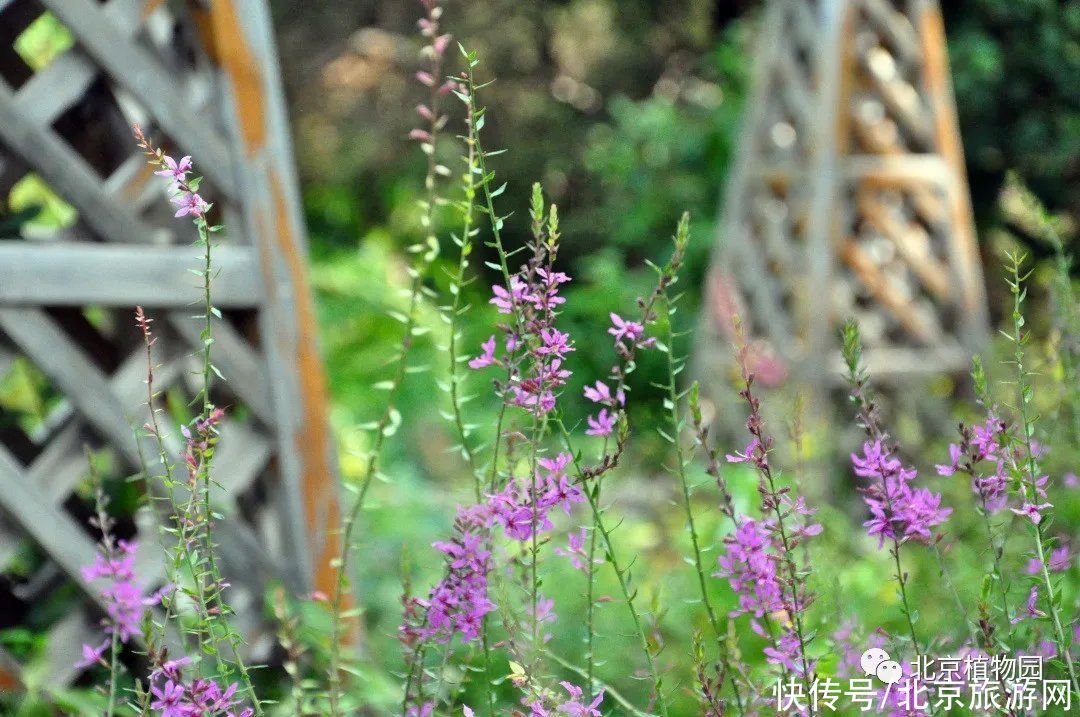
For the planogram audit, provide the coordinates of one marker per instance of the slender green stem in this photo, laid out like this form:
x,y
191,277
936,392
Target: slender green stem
x,y
674,401
352,518
622,577
114,671
960,608
608,689
426,253
996,570
216,596
1031,490
590,608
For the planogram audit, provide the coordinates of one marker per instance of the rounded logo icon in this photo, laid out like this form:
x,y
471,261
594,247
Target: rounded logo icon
x,y
871,659
889,672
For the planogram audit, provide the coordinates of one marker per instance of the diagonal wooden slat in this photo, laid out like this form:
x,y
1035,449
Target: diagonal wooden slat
x,y
38,336
87,389
49,526
59,85
226,108
67,173
150,85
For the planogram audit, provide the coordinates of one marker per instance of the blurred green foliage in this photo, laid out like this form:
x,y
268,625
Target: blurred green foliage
x,y
628,113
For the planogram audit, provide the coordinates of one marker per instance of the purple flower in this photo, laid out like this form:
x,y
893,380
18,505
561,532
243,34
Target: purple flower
x,y
487,358
1070,480
189,204
602,425
125,602
554,343
978,444
176,171
504,300
948,469
513,507
174,696
1031,610
1032,511
993,489
545,296
747,454
93,655
621,329
787,652
574,707
1059,561
575,550
751,569
600,393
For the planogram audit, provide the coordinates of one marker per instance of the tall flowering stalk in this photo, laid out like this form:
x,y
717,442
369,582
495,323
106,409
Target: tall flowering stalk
x,y
611,423
196,537
534,349
127,604
761,561
981,454
1030,482
677,426
900,513
424,253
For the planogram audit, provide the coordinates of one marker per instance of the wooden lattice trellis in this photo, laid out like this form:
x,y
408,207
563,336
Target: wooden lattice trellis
x,y
201,78
848,198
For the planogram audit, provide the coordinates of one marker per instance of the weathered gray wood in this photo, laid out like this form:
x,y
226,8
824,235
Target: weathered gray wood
x,y
924,168
64,362
882,155
137,70
50,527
38,336
59,85
286,322
71,274
66,172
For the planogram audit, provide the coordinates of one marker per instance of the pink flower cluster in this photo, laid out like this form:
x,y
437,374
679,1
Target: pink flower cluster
x,y
898,510
979,444
519,510
535,349
604,422
750,568
629,336
460,601
458,604
575,551
125,601
175,697
187,200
